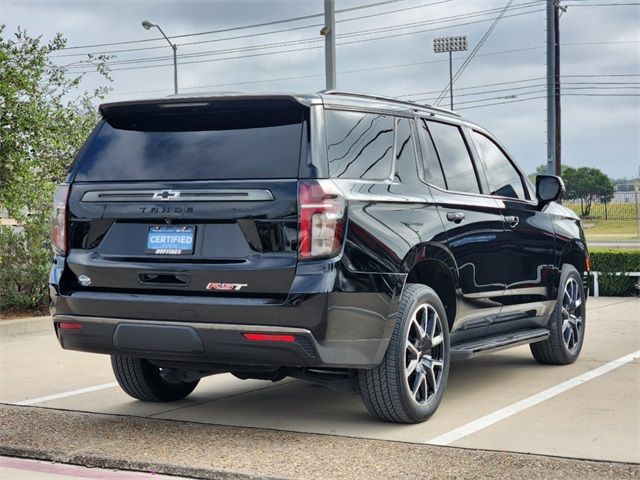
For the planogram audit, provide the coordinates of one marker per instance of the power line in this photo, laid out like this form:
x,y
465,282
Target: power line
x,y
537,98
318,40
476,86
312,47
135,61
389,67
602,94
344,72
604,75
231,29
502,103
504,95
601,4
315,25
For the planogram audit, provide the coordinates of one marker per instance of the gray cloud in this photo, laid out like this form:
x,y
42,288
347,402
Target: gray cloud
x,y
597,131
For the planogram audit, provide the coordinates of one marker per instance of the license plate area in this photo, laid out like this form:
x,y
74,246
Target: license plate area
x,y
171,240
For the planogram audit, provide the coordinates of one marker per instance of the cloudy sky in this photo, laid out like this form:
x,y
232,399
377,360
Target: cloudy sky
x,y
384,47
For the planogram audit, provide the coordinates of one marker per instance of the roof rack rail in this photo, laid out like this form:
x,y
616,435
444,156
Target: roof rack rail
x,y
389,99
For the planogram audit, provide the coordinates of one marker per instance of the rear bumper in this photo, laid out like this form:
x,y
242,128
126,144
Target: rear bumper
x,y
213,343
339,319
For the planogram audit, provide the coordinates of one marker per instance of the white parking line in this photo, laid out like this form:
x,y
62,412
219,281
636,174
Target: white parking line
x,y
70,393
499,415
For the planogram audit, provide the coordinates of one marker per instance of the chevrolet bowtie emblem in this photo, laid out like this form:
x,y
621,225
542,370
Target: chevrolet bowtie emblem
x,y
166,195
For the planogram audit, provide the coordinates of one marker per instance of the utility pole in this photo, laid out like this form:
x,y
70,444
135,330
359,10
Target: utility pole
x,y
556,56
556,26
329,32
551,87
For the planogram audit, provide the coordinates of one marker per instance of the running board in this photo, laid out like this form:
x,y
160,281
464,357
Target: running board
x,y
498,342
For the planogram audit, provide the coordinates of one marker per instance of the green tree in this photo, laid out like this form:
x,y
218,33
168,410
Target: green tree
x,y
44,118
589,185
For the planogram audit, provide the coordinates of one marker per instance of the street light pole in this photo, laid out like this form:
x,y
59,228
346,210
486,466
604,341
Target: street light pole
x,y
450,45
147,25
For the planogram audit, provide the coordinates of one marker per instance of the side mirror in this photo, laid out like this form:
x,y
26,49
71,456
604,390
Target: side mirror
x,y
549,188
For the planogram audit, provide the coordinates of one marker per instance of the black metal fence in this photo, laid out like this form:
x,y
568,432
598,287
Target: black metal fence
x,y
623,206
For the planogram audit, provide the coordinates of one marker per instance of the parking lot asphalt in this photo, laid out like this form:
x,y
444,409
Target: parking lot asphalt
x,y
503,401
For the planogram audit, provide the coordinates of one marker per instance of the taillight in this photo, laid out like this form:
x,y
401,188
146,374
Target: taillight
x,y
59,220
321,219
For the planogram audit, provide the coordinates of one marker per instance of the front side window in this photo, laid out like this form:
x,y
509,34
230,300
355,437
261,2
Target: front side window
x,y
359,145
503,178
459,172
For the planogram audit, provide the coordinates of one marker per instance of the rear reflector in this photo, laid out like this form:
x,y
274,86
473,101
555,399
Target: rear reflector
x,y
269,337
69,326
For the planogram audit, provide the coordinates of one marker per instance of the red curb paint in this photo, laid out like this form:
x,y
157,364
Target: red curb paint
x,y
74,471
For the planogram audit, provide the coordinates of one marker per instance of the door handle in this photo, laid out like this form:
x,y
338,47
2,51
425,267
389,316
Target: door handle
x,y
455,217
512,220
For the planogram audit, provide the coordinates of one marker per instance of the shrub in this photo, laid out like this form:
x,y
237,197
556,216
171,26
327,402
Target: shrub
x,y
45,115
25,259
610,261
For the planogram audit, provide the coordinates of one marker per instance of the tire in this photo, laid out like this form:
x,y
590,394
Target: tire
x,y
385,389
566,324
143,381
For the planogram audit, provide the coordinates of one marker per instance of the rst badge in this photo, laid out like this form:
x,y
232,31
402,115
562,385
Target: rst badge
x,y
226,287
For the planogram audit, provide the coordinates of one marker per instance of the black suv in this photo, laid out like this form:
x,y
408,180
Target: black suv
x,y
351,240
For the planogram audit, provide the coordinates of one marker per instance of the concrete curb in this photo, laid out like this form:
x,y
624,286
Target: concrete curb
x,y
221,452
21,326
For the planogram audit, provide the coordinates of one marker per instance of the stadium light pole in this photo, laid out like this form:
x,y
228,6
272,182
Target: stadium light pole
x,y
146,24
450,45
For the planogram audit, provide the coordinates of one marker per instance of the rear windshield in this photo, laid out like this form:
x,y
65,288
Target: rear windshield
x,y
224,140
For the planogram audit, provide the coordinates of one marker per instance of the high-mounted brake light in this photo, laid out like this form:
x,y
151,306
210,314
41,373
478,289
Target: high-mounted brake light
x,y
59,220
321,219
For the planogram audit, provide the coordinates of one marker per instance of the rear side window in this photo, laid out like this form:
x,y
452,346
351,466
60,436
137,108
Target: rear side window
x,y
406,169
230,140
430,162
359,145
503,178
456,162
